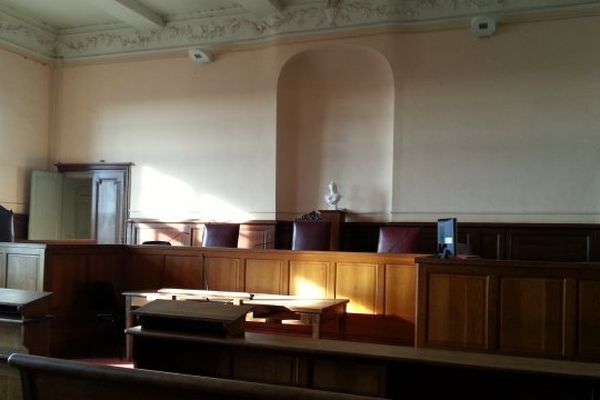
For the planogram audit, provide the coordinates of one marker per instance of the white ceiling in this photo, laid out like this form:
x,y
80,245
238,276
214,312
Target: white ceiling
x,y
74,29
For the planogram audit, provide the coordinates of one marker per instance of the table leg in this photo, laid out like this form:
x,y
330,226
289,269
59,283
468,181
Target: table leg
x,y
316,326
128,324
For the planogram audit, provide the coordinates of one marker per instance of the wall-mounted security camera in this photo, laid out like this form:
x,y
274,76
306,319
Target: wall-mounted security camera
x,y
200,56
483,26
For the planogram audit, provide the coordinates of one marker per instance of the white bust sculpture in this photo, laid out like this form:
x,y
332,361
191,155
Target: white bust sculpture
x,y
332,196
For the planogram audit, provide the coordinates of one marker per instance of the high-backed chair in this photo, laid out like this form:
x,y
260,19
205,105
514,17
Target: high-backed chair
x,y
7,227
397,239
221,235
311,235
158,242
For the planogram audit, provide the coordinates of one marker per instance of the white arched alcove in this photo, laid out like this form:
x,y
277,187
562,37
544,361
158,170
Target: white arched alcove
x,y
335,113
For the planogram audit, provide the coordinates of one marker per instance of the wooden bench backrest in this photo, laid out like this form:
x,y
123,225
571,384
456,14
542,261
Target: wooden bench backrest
x,y
50,378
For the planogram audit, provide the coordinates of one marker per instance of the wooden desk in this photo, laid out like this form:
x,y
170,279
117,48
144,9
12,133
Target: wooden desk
x,y
266,307
364,368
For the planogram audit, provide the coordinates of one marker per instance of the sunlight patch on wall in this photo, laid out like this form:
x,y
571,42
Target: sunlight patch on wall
x,y
167,198
307,288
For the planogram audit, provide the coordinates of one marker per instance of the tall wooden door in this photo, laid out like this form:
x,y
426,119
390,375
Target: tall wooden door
x,y
108,194
45,205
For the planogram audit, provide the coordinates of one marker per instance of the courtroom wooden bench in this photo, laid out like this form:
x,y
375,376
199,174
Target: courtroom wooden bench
x,y
365,368
50,378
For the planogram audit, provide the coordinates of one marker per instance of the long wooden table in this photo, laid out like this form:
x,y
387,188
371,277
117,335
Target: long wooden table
x,y
266,307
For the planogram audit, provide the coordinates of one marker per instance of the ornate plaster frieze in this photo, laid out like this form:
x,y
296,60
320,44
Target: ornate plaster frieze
x,y
235,25
20,33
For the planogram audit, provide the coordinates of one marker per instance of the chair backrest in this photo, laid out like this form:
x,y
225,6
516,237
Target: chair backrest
x,y
100,298
7,226
45,378
157,242
221,235
398,239
311,235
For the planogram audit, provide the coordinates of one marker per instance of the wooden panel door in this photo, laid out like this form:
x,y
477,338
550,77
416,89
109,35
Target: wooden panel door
x,y
45,205
311,279
589,319
531,316
457,311
358,282
221,273
266,276
108,196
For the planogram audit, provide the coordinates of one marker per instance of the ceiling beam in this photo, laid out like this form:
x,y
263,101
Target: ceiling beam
x,y
131,12
261,7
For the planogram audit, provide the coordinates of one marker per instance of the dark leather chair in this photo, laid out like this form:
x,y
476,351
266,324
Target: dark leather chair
x,y
101,307
311,235
397,239
221,235
157,242
7,227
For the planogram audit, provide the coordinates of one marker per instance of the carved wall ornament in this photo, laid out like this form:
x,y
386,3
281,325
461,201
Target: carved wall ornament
x,y
226,25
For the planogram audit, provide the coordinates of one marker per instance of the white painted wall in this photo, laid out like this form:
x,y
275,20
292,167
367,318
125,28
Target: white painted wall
x,y
24,125
335,121
500,129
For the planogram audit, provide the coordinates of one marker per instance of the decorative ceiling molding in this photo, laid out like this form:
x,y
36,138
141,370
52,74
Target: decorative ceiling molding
x,y
226,27
25,35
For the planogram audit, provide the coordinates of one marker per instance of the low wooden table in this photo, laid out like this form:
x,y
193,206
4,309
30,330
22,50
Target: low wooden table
x,y
266,307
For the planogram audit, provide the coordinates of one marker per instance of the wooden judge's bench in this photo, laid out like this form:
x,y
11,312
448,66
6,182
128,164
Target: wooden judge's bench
x,y
525,308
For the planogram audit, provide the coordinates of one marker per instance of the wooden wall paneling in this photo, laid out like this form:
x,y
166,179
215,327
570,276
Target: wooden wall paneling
x,y
549,244
588,311
570,318
311,279
24,271
400,291
146,271
223,273
491,244
266,276
196,235
176,233
531,315
359,282
65,277
185,272
357,377
457,311
595,245
280,369
256,236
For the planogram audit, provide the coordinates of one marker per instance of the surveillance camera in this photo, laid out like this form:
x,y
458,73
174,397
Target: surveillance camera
x,y
483,26
200,56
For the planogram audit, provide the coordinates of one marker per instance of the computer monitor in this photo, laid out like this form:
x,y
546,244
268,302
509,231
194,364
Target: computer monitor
x,y
447,234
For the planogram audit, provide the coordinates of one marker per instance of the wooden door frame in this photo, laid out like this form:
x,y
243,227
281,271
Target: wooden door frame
x,y
93,168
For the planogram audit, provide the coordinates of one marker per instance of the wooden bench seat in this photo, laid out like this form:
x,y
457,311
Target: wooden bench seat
x,y
50,378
